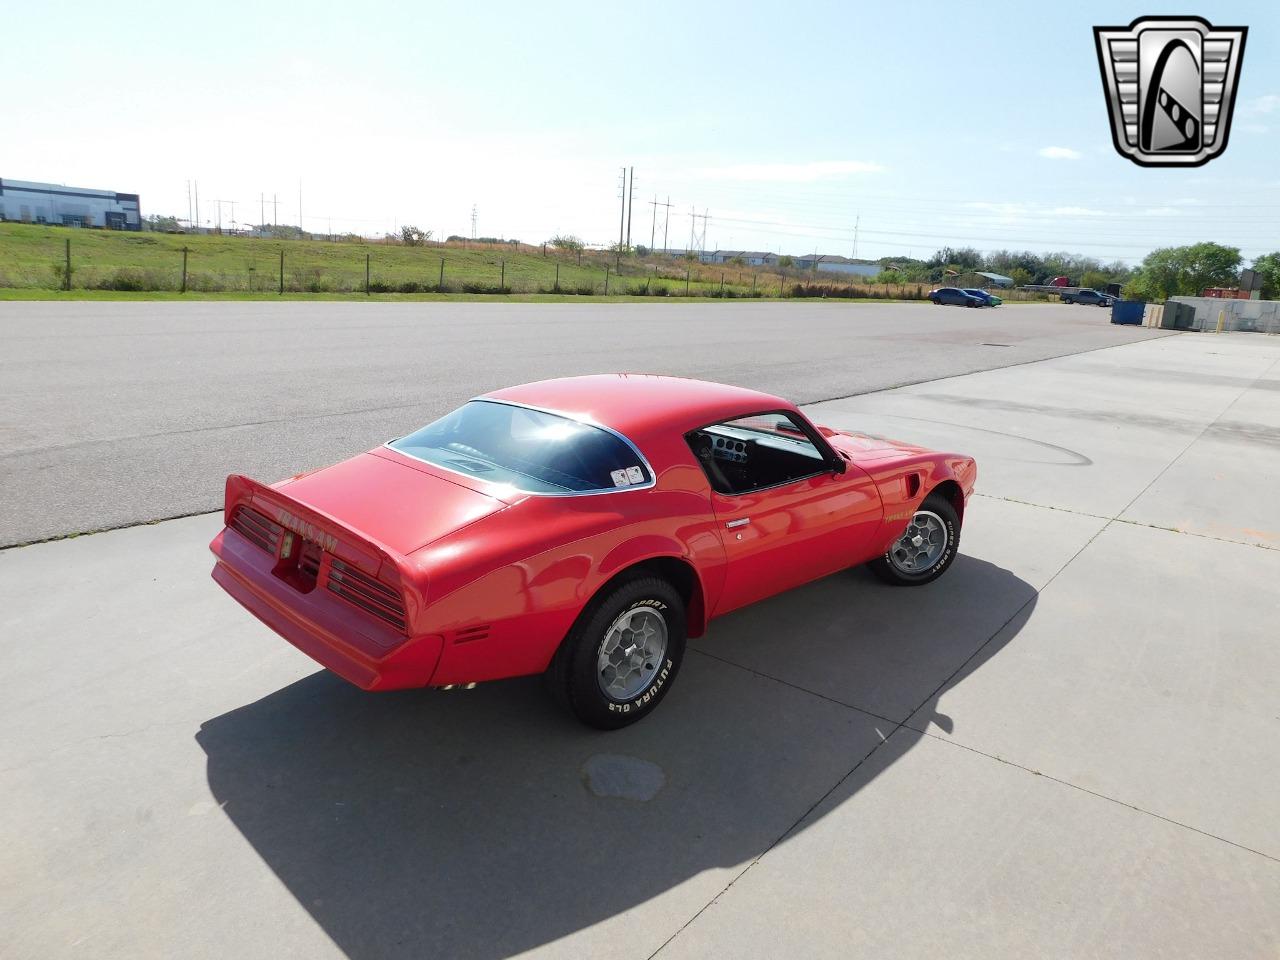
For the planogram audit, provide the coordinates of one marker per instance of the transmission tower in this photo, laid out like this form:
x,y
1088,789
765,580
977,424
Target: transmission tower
x,y
473,221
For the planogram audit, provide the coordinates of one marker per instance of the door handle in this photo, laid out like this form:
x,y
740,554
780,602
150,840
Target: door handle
x,y
740,522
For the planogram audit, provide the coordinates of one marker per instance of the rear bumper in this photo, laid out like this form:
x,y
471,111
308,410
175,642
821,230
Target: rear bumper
x,y
321,625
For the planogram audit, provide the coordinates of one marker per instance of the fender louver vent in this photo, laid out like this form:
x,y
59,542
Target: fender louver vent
x,y
257,529
367,593
467,634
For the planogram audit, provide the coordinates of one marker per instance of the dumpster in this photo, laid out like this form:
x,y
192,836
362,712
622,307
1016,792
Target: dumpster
x,y
1128,311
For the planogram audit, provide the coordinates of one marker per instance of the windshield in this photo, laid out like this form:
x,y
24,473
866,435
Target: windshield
x,y
530,450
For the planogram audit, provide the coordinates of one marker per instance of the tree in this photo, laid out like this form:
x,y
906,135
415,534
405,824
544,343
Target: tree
x,y
1020,276
785,262
413,237
1185,271
967,258
162,224
567,241
1267,266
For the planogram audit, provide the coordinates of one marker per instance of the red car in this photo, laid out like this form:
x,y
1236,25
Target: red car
x,y
579,528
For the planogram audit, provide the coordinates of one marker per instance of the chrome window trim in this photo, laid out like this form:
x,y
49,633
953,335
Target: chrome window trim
x,y
575,418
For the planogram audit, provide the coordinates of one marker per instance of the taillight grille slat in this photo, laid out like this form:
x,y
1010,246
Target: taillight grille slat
x,y
257,529
369,594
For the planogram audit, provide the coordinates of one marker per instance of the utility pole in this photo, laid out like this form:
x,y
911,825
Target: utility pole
x,y
188,203
262,210
653,227
666,223
275,209
219,203
622,217
473,221
631,196
698,240
197,189
856,222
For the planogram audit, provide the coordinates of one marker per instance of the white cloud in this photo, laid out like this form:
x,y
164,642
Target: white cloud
x,y
1060,153
1077,212
1269,103
789,172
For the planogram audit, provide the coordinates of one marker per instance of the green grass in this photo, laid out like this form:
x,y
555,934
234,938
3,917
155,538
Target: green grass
x,y
33,257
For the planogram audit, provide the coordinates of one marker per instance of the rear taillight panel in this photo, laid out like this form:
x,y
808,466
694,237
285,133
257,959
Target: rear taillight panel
x,y
304,565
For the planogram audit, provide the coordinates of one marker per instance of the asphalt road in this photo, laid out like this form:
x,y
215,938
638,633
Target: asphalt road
x,y
120,413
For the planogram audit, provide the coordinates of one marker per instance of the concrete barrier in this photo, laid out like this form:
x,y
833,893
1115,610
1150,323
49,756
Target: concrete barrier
x,y
1215,314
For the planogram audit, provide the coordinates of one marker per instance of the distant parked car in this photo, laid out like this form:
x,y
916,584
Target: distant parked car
x,y
955,297
990,299
1086,295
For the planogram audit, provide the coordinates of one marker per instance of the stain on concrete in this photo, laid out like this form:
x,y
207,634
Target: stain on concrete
x,y
623,777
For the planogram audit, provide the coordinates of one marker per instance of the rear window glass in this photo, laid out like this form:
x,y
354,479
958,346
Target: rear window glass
x,y
528,449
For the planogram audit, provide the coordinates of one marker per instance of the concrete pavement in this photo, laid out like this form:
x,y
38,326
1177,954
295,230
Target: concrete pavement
x,y
1068,746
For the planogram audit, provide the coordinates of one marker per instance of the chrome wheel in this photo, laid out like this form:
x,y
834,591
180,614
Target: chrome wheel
x,y
632,651
920,547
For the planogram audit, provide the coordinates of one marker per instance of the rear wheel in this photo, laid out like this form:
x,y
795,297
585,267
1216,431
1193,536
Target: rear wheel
x,y
926,548
620,658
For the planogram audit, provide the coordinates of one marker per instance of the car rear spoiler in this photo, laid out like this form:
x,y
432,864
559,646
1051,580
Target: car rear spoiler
x,y
335,537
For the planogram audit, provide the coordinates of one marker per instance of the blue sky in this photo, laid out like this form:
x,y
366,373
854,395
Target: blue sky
x,y
924,123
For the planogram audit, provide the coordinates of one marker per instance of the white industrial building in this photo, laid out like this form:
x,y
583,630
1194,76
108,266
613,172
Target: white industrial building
x,y
28,202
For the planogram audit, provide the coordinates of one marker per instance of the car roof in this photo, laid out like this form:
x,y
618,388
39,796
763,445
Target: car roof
x,y
636,404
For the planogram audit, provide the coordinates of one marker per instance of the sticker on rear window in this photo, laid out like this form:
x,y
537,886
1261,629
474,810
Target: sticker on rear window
x,y
620,478
635,475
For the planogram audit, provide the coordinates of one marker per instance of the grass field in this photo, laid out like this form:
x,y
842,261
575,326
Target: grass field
x,y
34,258
118,265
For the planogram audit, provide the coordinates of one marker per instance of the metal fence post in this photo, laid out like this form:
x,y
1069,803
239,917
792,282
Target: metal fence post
x,y
184,271
440,285
66,280
502,277
686,281
282,271
557,286
606,281
366,274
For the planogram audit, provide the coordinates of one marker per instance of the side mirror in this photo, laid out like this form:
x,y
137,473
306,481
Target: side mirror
x,y
839,466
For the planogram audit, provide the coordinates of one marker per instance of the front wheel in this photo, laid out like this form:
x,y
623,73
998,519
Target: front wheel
x,y
926,548
620,658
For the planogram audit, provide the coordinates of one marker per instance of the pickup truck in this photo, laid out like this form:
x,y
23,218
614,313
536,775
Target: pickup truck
x,y
1086,295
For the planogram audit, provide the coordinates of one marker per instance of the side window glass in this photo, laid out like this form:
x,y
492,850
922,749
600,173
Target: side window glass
x,y
753,453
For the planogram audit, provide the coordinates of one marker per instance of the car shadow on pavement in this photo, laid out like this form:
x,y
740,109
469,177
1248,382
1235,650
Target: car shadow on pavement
x,y
486,823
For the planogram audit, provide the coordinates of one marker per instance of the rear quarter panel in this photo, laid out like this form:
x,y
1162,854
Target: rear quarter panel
x,y
505,590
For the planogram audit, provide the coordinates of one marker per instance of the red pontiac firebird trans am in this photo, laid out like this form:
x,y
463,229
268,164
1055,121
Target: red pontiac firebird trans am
x,y
580,528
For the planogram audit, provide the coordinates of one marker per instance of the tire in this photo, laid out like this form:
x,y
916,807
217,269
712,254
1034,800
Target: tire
x,y
933,517
644,610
